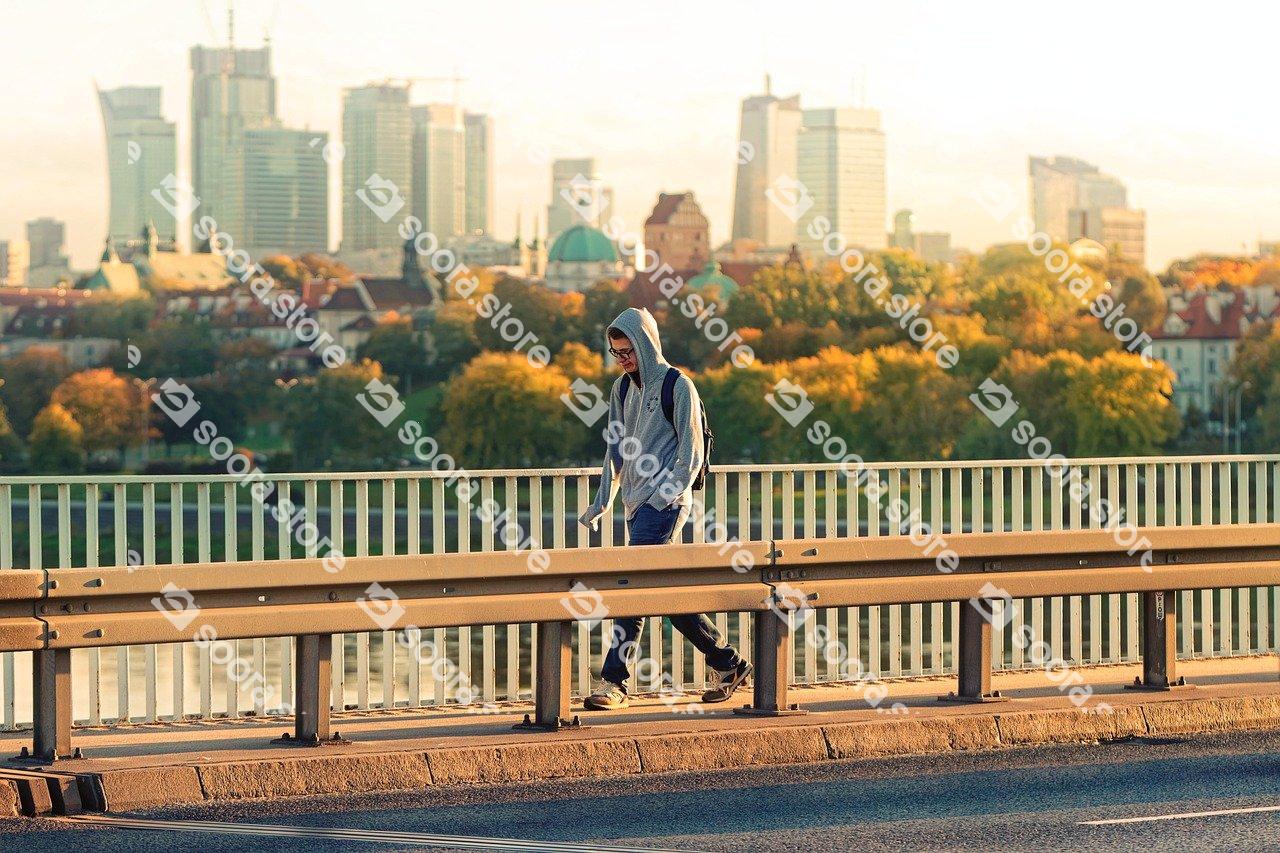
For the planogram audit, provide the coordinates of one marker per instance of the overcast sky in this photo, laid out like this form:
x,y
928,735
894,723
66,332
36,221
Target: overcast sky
x,y
1178,101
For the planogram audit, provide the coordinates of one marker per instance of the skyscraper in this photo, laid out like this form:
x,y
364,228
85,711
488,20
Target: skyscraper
x,y
14,262
769,127
1072,199
141,152
232,91
578,196
840,162
286,192
377,133
479,173
45,237
439,169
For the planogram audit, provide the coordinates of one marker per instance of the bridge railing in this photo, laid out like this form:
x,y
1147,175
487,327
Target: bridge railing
x,y
72,522
53,613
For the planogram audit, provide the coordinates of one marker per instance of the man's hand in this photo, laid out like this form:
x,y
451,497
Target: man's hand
x,y
591,517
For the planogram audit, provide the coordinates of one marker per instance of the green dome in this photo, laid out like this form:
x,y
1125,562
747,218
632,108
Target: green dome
x,y
581,243
712,274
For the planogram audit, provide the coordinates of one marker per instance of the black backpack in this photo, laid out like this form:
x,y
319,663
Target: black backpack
x,y
669,409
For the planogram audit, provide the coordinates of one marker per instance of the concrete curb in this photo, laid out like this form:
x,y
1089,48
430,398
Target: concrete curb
x,y
583,757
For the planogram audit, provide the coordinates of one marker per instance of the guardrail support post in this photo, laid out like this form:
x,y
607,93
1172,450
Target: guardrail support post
x,y
51,703
772,676
973,656
313,665
551,681
1159,643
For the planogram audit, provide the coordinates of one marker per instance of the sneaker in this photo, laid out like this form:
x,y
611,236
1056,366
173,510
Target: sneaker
x,y
729,682
606,697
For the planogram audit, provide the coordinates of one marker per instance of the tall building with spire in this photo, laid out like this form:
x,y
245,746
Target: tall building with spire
x,y
769,128
232,92
141,152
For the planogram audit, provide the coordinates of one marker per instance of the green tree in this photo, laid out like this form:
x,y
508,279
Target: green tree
x,y
517,309
179,347
120,318
327,425
56,442
399,349
1122,407
29,380
453,339
602,303
12,452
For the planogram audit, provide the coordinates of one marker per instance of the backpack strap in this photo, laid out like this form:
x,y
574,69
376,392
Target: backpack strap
x,y
669,395
622,390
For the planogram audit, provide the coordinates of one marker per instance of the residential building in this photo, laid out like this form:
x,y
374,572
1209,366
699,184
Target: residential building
x,y
142,151
766,195
232,91
377,133
840,161
578,196
678,232
1199,338
478,179
439,169
286,192
15,260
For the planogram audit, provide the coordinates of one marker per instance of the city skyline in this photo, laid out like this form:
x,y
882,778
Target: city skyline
x,y
957,114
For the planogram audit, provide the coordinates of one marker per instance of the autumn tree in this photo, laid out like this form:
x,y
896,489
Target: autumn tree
x,y
108,407
117,317
12,451
502,411
57,441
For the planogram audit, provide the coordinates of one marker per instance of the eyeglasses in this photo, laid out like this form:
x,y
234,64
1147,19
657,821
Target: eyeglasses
x,y
622,353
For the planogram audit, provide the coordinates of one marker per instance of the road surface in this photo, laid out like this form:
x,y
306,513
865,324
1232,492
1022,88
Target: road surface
x,y
1207,793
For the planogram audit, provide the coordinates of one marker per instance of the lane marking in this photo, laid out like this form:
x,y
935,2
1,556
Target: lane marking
x,y
1179,816
460,842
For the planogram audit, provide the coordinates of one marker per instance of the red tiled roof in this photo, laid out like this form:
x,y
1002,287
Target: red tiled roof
x,y
665,208
1201,325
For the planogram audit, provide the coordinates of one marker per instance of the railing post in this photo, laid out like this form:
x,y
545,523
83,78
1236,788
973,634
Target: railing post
x,y
51,682
973,656
1159,643
551,681
772,631
312,674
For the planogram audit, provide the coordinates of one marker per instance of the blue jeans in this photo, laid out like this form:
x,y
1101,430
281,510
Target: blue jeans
x,y
650,526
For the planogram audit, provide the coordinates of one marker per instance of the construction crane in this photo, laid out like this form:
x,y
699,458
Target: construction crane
x,y
409,81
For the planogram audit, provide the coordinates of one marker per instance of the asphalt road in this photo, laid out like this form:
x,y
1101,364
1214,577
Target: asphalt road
x,y
1032,799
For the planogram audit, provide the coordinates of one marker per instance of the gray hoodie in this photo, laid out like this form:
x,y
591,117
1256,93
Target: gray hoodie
x,y
651,462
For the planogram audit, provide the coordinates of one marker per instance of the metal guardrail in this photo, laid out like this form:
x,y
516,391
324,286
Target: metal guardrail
x,y
52,612
49,523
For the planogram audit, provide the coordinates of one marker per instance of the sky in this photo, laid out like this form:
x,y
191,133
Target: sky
x,y
1176,100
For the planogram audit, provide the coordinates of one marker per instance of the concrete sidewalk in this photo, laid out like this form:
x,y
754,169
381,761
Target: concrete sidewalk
x,y
140,766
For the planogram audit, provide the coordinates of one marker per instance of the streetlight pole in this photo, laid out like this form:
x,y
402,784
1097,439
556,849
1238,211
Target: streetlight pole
x,y
1240,421
1226,418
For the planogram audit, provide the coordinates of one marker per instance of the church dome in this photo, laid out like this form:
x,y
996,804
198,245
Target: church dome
x,y
582,244
712,274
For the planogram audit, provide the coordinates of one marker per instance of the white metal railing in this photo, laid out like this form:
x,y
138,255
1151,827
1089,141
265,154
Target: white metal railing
x,y
92,521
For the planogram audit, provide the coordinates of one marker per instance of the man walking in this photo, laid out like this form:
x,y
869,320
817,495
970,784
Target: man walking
x,y
663,454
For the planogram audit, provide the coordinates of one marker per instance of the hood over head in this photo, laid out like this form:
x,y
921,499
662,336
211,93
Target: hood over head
x,y
640,326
